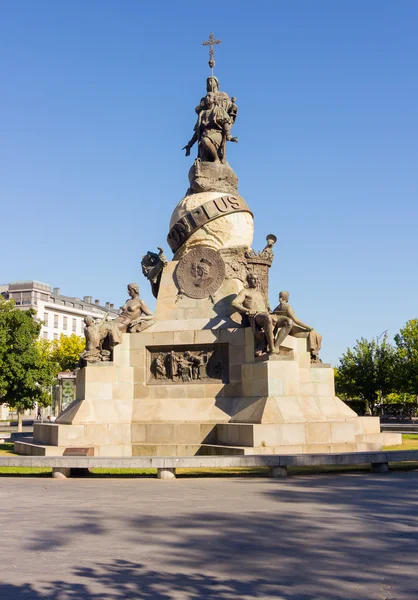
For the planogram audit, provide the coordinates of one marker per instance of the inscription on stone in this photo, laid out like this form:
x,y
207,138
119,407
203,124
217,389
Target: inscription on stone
x,y
206,363
193,220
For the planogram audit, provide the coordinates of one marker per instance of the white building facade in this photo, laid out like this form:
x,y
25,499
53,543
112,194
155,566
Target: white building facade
x,y
59,314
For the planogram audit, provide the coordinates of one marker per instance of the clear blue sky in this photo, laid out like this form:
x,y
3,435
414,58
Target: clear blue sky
x,y
98,99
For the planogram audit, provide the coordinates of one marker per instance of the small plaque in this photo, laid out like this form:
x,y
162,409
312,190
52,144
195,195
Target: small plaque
x,y
200,273
78,452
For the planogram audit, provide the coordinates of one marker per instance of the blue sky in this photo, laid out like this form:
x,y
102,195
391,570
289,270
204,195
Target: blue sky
x,y
98,99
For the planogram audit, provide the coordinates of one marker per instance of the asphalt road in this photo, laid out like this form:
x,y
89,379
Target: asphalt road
x,y
333,537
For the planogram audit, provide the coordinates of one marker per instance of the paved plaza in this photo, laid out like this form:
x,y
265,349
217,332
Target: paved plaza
x,y
325,537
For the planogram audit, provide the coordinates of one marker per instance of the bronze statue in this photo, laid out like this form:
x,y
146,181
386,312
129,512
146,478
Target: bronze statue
x,y
221,99
284,312
102,337
267,251
152,268
212,131
93,335
272,327
135,315
251,302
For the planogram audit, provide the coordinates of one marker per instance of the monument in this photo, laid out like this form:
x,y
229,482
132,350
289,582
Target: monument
x,y
214,370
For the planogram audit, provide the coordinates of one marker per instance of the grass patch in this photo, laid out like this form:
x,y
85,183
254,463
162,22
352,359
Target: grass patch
x,y
409,442
7,448
123,473
227,472
26,471
248,472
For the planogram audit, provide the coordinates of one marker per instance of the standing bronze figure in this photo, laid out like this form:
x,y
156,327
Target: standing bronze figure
x,y
212,131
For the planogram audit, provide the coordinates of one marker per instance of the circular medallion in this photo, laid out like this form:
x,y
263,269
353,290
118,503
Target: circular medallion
x,y
200,272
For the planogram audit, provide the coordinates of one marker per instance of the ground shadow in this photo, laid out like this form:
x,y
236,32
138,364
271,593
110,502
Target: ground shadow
x,y
351,537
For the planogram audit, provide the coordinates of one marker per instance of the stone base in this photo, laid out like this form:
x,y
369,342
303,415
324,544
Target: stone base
x,y
166,473
30,448
212,177
61,472
272,405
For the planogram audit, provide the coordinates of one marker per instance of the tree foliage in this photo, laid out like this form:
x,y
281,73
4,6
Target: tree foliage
x,y
25,373
66,351
367,371
407,368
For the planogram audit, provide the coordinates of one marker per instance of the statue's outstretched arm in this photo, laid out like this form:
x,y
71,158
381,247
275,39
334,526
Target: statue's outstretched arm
x,y
190,144
296,321
193,140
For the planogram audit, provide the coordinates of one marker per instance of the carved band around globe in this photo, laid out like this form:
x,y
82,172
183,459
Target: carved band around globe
x,y
196,218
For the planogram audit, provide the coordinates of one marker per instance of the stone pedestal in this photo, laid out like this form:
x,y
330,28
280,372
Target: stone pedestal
x,y
177,312
246,405
166,473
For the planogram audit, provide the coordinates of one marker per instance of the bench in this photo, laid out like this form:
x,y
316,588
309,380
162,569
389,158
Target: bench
x,y
166,466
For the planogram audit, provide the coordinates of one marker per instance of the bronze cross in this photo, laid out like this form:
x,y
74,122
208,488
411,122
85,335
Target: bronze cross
x,y
211,42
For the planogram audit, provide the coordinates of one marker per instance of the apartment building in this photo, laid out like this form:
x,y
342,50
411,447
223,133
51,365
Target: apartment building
x,y
60,314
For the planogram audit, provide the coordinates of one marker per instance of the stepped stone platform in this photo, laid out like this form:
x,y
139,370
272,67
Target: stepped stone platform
x,y
269,405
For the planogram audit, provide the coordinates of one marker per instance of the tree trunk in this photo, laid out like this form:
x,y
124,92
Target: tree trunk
x,y
19,421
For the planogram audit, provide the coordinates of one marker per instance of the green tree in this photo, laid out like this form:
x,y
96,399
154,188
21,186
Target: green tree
x,y
407,357
367,372
66,351
26,375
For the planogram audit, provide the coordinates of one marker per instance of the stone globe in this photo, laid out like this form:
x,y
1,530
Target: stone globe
x,y
235,229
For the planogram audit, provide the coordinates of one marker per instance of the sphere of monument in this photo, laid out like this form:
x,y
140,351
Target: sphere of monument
x,y
228,231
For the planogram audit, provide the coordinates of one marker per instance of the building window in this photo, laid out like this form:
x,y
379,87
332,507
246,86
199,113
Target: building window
x,y
74,325
46,319
55,336
56,321
26,298
64,322
45,335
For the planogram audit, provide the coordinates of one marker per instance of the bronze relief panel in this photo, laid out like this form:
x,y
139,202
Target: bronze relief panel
x,y
206,363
